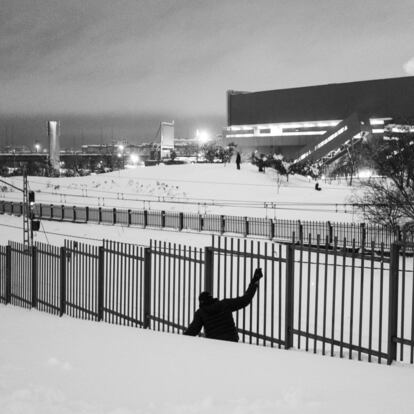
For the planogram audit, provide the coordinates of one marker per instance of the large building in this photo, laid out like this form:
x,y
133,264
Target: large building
x,y
311,122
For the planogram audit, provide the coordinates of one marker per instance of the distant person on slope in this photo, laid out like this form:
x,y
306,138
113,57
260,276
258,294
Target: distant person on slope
x,y
216,315
238,160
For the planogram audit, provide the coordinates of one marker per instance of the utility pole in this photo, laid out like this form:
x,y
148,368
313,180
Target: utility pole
x,y
29,224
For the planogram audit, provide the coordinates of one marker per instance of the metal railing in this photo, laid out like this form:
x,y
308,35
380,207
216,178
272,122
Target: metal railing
x,y
322,298
272,229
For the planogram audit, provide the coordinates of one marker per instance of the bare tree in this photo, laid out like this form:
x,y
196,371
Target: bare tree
x,y
390,200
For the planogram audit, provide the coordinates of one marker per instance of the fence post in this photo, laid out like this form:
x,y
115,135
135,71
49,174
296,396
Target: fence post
x,y
208,269
100,283
86,214
363,235
114,215
330,231
62,281
300,226
222,224
145,218
181,221
289,298
8,274
40,210
74,213
393,303
271,229
99,215
246,227
147,287
33,252
398,233
162,219
129,218
51,211
200,223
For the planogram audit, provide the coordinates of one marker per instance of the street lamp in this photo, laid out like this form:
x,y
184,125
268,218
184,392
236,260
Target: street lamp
x,y
202,136
121,154
37,147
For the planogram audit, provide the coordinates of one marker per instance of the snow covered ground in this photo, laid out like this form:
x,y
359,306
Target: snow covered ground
x,y
201,188
62,365
54,365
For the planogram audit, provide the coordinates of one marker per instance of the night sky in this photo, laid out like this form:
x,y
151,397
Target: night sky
x,y
116,68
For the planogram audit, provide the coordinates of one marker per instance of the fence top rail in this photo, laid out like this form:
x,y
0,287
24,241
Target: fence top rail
x,y
73,246
376,254
47,249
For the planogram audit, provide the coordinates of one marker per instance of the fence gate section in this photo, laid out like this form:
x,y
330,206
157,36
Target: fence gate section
x,y
22,276
267,320
403,323
123,283
83,286
177,277
342,300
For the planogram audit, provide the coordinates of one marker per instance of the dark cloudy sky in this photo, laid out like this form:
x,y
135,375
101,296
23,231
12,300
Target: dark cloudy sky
x,y
118,67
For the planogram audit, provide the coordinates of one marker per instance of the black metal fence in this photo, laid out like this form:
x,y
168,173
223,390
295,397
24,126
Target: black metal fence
x,y
329,299
272,229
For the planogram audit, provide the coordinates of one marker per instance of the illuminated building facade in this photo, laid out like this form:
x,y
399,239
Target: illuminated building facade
x,y
310,122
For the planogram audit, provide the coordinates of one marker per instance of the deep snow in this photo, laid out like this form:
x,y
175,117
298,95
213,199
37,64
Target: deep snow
x,y
63,365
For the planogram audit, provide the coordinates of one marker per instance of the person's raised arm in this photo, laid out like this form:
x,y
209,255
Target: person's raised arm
x,y
242,301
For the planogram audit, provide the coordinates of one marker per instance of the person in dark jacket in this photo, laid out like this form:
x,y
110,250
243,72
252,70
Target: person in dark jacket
x,y
238,160
216,315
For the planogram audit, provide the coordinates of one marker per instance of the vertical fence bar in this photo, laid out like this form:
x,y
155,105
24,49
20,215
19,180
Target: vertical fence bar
x,y
289,300
147,287
222,224
181,221
363,236
8,274
393,304
62,281
208,269
33,252
101,262
271,229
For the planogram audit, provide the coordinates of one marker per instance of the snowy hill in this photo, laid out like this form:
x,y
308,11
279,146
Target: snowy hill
x,y
201,188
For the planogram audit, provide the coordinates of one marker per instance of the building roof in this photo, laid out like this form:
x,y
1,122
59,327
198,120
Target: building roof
x,y
379,98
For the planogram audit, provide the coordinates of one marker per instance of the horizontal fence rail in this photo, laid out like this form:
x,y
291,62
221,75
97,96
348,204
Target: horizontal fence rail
x,y
362,235
322,297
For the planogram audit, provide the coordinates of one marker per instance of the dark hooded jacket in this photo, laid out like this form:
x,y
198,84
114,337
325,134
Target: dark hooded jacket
x,y
217,319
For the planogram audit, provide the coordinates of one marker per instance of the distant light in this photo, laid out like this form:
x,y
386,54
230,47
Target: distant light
x,y
121,148
365,173
202,136
37,147
134,158
119,155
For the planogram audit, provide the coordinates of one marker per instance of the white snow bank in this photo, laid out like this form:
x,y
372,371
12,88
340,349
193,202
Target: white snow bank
x,y
199,188
63,365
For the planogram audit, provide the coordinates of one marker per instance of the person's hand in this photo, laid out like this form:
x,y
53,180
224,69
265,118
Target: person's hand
x,y
257,275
